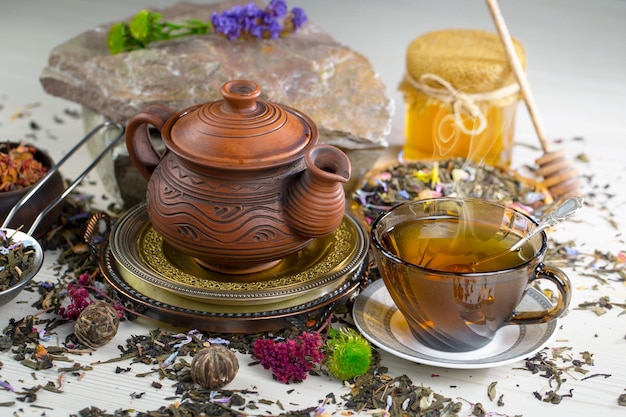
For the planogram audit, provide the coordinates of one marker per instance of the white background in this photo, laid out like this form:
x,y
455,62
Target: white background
x,y
576,66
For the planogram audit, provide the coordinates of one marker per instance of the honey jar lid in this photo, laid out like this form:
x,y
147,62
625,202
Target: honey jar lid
x,y
472,61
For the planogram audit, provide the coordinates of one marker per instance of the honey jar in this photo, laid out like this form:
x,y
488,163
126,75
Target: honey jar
x,y
460,96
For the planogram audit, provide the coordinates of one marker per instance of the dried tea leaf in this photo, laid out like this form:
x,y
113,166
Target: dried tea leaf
x,y
478,410
491,390
599,310
588,357
17,260
415,180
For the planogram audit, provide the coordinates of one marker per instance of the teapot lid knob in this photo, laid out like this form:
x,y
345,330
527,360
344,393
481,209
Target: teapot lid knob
x,y
240,95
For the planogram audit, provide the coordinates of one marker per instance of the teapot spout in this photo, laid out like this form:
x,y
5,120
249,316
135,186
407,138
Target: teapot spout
x,y
315,200
328,163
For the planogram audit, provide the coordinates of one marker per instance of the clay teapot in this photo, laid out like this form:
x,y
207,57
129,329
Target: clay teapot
x,y
242,182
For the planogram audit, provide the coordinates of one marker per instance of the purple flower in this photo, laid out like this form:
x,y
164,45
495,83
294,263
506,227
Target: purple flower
x,y
250,21
298,18
169,360
7,386
46,285
273,29
227,23
249,16
277,8
14,246
43,336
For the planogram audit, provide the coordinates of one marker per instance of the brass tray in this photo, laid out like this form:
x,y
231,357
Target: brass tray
x,y
180,311
147,263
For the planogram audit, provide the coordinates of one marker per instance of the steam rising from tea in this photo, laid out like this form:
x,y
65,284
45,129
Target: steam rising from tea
x,y
456,245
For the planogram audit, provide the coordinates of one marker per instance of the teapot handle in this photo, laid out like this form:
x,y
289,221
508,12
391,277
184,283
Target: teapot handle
x,y
144,156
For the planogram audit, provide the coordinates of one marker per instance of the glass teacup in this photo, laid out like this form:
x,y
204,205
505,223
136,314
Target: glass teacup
x,y
430,253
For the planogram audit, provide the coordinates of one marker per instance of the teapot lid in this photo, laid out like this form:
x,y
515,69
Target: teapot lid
x,y
240,131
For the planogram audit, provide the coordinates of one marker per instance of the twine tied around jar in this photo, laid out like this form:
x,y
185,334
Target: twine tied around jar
x,y
462,103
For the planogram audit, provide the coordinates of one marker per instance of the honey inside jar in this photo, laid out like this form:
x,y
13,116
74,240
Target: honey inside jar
x,y
460,97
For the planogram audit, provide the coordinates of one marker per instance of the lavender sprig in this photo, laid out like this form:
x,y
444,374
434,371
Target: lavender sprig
x,y
249,20
240,22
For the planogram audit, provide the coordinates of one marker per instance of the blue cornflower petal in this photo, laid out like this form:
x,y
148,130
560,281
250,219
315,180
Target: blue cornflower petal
x,y
404,194
218,341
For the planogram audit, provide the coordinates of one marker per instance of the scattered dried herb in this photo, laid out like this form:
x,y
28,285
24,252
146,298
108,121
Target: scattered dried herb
x,y
597,375
374,391
410,181
555,367
601,306
17,260
605,267
397,396
491,390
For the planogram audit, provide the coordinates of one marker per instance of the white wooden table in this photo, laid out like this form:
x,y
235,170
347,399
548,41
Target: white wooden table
x,y
577,55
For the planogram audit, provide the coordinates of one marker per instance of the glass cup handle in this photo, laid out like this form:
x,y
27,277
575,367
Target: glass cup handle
x,y
562,282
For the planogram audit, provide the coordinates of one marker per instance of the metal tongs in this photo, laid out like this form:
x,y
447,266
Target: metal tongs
x,y
26,239
37,186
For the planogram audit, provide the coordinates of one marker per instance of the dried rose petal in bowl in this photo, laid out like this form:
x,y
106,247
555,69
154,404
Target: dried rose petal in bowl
x,y
21,166
18,167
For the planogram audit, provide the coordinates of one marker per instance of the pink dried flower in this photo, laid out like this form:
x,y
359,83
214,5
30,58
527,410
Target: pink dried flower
x,y
79,300
290,360
85,279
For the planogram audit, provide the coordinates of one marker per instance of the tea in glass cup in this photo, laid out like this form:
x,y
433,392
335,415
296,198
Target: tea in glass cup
x,y
447,265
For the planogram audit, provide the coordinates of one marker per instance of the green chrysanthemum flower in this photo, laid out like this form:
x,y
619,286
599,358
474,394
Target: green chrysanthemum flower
x,y
119,38
348,354
144,26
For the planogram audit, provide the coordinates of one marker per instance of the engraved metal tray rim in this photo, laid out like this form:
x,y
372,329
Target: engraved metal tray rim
x,y
175,302
126,245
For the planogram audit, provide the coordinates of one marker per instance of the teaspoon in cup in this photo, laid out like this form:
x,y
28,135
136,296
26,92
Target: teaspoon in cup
x,y
556,216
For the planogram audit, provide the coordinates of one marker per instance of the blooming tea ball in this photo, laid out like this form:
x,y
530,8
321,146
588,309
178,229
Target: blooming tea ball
x,y
214,366
97,324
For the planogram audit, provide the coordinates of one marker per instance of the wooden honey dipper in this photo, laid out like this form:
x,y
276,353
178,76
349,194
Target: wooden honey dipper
x,y
559,177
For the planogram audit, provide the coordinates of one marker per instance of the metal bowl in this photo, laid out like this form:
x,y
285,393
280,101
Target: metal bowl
x,y
28,241
27,214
